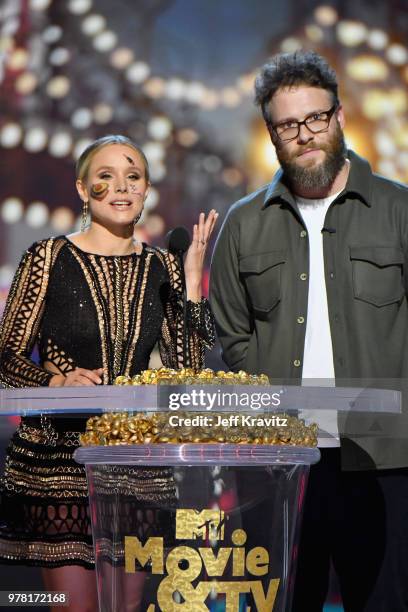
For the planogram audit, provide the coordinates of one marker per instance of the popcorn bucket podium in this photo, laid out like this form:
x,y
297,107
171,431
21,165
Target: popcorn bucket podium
x,y
192,526
183,527
226,540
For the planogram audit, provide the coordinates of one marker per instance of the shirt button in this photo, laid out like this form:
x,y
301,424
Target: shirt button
x,y
303,276
331,274
303,234
296,363
300,320
341,361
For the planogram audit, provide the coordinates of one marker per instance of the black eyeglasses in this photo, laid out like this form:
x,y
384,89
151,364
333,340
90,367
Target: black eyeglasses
x,y
315,123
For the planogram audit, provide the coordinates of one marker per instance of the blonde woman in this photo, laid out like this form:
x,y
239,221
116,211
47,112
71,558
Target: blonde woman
x,y
94,303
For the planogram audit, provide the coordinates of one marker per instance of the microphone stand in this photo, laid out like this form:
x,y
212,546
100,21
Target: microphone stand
x,y
186,357
178,242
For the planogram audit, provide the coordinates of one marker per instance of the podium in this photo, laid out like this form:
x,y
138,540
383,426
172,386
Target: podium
x,y
233,555
221,530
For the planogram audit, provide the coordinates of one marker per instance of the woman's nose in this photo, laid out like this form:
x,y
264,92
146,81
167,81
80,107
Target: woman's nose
x,y
121,186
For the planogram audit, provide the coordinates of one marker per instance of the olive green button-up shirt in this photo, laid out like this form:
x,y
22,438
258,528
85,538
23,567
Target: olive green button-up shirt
x,y
259,281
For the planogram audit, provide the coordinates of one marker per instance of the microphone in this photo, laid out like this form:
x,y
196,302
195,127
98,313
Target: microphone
x,y
329,230
178,241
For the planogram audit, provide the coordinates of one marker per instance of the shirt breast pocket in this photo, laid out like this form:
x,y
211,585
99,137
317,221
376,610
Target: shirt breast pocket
x,y
262,275
377,274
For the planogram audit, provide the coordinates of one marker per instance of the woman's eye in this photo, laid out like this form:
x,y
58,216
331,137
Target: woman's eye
x,y
134,177
105,175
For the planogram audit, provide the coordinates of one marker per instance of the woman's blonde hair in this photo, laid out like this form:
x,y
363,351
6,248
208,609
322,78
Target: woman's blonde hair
x,y
84,161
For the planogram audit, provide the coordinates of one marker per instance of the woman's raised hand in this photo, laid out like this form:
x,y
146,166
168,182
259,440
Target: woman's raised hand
x,y
194,262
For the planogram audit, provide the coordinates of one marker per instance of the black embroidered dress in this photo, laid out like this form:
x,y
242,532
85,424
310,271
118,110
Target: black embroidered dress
x,y
89,311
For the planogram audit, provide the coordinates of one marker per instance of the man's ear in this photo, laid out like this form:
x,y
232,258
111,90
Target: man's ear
x,y
341,117
274,139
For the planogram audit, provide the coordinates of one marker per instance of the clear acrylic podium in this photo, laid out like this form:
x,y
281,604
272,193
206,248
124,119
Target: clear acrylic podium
x,y
225,538
232,555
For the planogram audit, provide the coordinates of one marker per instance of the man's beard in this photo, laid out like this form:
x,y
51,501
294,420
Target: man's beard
x,y
322,175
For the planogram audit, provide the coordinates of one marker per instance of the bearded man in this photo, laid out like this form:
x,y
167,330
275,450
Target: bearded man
x,y
309,281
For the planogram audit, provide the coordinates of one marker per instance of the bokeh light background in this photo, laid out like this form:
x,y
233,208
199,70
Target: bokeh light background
x,y
177,76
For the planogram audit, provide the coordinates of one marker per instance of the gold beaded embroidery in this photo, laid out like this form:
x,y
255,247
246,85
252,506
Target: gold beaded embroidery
x,y
43,551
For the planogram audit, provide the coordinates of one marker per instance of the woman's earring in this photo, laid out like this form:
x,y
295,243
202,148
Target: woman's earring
x,y
84,215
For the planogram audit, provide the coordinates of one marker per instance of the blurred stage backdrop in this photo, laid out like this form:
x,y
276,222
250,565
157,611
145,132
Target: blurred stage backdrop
x,y
177,77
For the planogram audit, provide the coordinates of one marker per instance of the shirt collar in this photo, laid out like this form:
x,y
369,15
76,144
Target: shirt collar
x,y
358,184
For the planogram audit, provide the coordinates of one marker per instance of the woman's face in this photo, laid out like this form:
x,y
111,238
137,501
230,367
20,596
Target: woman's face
x,y
115,186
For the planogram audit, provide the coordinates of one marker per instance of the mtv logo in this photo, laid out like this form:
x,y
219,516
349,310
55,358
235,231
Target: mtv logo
x,y
193,524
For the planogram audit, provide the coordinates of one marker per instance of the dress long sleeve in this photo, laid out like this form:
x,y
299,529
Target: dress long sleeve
x,y
21,319
198,319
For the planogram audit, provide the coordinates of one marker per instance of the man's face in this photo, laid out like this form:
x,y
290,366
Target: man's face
x,y
311,160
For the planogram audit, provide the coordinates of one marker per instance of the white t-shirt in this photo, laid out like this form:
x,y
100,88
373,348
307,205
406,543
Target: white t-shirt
x,y
318,365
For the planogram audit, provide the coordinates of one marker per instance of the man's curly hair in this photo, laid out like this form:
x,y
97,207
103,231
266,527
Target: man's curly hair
x,y
286,70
